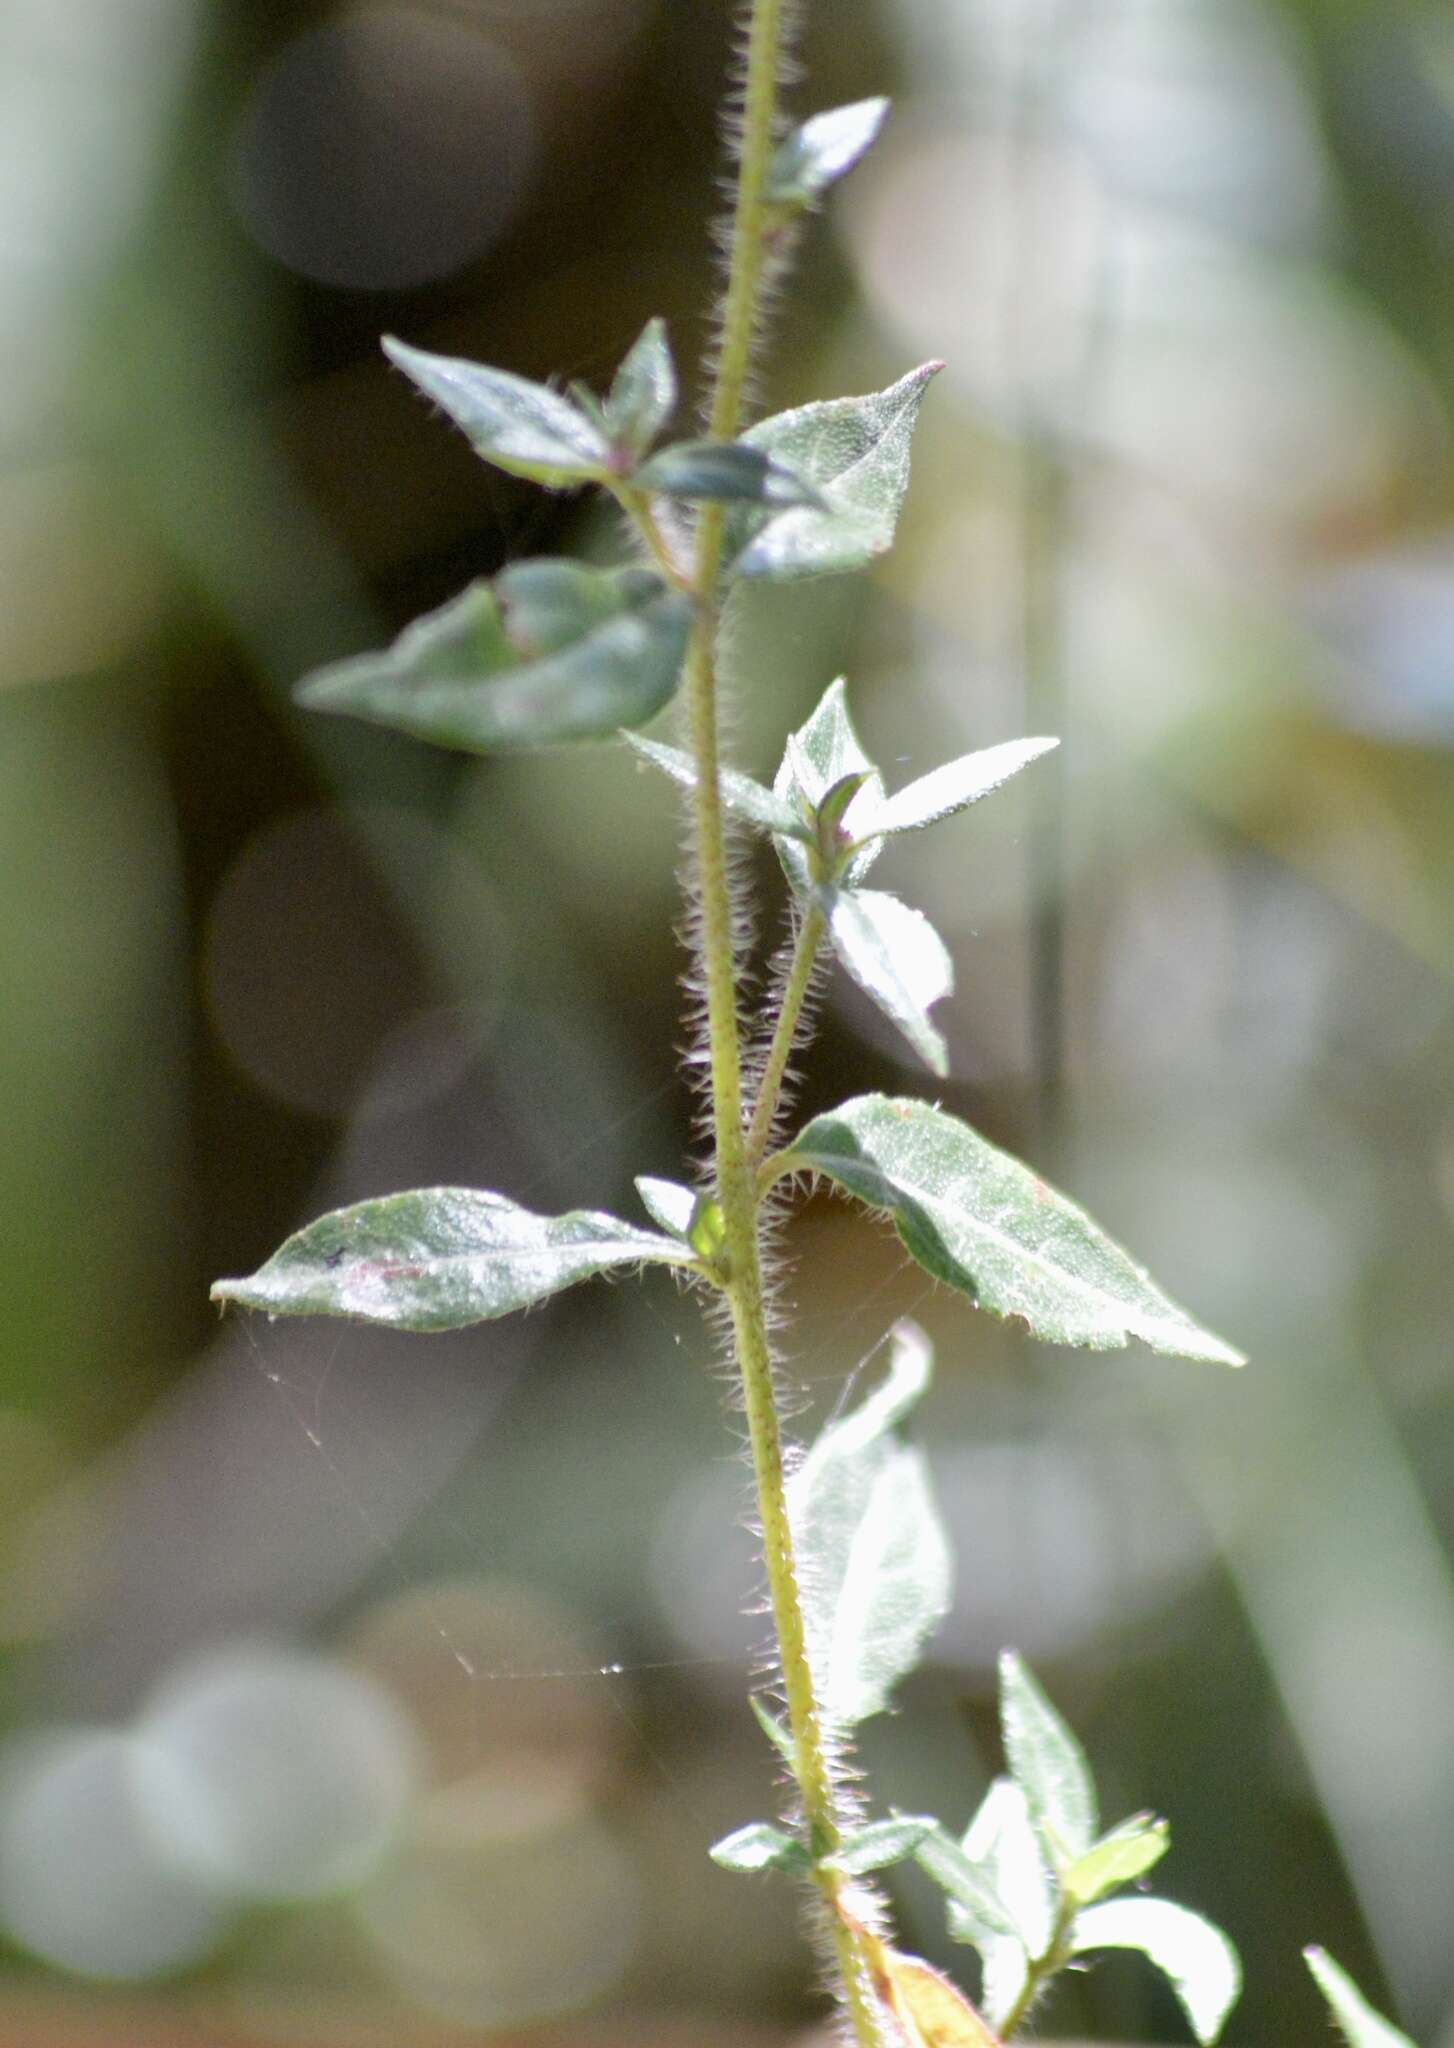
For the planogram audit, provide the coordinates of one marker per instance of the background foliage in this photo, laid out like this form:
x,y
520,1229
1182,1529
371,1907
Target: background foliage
x,y
1182,495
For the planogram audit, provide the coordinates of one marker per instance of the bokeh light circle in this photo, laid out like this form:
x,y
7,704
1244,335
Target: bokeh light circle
x,y
276,1774
492,1933
313,971
383,148
84,1883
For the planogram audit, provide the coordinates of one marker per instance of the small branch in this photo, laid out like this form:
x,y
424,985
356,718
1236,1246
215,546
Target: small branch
x,y
785,1033
638,508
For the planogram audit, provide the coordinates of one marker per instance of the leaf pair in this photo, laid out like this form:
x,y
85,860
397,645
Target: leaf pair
x,y
972,1216
829,817
1029,1885
551,652
815,491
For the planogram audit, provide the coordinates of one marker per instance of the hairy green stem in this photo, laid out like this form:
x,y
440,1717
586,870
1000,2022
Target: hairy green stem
x,y
785,1032
737,1190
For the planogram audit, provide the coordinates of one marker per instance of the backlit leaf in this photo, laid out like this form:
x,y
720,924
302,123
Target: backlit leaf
x,y
1123,1855
759,1846
667,1203
1358,2023
976,1911
982,1222
932,2012
742,796
549,654
525,428
644,394
1196,1958
1047,1763
438,1259
872,1553
855,452
896,956
880,1844
956,785
1001,1841
729,471
814,156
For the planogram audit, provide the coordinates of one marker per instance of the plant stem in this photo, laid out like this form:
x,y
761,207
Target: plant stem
x,y
795,992
735,1170
1041,1969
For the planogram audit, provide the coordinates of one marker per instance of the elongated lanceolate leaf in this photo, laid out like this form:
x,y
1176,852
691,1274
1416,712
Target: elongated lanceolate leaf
x,y
873,1556
896,956
729,471
956,785
855,452
816,155
438,1259
983,1223
819,756
643,397
1048,1765
525,428
1359,2024
549,654
1196,1958
742,796
1123,1855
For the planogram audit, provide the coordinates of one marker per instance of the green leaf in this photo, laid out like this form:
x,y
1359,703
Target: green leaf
x,y
983,1223
875,1561
814,156
819,758
882,1843
551,653
775,1731
1047,1763
668,1204
728,471
1001,1840
524,428
1359,2024
644,394
956,785
1126,1853
760,1846
742,796
855,452
977,1913
438,1259
896,956
1196,1958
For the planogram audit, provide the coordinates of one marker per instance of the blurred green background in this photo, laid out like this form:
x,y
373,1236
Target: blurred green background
x,y
359,1689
